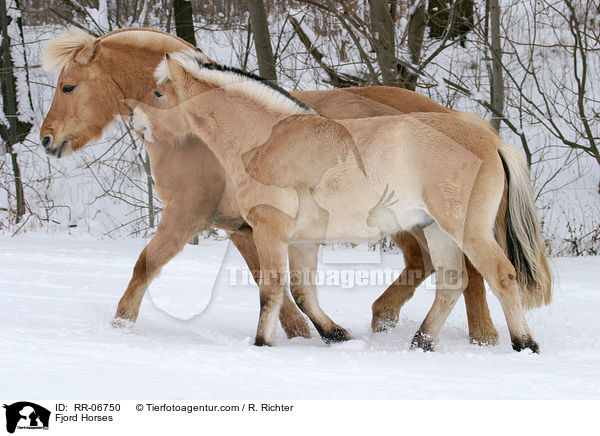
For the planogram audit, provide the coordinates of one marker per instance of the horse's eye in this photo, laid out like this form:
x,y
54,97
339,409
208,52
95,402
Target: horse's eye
x,y
68,88
158,94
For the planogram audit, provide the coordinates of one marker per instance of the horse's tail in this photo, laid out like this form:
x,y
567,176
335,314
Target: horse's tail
x,y
522,236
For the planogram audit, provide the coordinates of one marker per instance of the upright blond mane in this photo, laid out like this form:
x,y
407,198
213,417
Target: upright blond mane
x,y
76,45
62,50
234,81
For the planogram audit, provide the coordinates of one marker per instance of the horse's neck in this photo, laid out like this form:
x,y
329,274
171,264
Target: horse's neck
x,y
240,127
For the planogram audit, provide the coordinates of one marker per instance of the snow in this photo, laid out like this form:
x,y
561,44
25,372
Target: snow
x,y
59,294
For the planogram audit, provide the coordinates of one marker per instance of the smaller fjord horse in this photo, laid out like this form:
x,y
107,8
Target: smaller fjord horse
x,y
294,172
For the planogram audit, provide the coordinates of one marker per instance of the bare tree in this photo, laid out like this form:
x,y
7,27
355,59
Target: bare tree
x,y
262,39
384,34
16,130
440,18
416,33
184,20
497,81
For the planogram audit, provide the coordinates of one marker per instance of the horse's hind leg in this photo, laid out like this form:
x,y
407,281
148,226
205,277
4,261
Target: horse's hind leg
x,y
293,322
487,256
386,308
272,253
451,280
417,267
481,327
303,268
171,236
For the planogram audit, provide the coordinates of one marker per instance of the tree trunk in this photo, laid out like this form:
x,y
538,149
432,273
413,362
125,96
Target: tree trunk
x,y
184,27
184,20
382,28
262,39
497,81
16,130
416,33
149,185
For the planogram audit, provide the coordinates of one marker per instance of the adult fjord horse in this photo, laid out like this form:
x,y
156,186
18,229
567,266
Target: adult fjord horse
x,y
447,169
115,70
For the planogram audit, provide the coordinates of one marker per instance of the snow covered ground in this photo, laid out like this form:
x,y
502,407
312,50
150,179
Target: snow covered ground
x,y
59,293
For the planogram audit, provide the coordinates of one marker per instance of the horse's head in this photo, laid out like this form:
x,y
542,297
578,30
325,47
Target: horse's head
x,y
86,99
170,112
98,79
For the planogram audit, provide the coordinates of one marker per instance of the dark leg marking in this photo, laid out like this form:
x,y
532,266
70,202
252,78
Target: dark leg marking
x,y
260,342
336,335
421,340
520,344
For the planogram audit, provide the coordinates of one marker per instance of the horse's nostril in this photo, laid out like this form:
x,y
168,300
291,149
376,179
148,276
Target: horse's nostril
x,y
47,141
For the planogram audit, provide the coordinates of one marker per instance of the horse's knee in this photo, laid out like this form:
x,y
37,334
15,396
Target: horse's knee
x,y
506,279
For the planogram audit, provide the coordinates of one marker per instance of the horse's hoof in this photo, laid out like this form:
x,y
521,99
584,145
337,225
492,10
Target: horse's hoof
x,y
484,339
383,319
296,328
122,323
261,342
421,341
526,342
335,335
381,324
483,334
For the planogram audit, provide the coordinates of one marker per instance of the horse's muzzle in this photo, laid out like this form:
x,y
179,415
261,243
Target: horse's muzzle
x,y
48,141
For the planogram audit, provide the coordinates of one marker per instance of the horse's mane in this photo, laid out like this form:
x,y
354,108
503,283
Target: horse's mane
x,y
234,81
76,45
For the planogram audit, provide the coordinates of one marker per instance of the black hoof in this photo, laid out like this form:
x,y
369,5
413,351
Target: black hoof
x,y
335,335
524,343
421,341
381,325
260,342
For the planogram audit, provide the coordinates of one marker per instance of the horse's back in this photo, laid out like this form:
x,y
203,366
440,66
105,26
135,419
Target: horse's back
x,y
370,101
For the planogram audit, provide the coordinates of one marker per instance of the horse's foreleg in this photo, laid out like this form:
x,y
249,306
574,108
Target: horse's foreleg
x,y
303,270
481,327
174,231
293,322
417,267
451,280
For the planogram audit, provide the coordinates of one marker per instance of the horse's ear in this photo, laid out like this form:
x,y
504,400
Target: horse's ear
x,y
176,72
87,53
205,59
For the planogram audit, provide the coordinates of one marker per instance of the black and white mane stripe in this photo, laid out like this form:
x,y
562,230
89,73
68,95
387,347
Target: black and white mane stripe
x,y
235,81
267,82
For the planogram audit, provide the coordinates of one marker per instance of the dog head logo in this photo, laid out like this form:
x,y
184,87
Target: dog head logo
x,y
26,415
